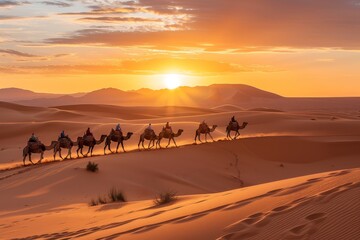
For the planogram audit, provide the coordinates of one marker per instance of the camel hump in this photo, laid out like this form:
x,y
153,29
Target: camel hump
x,y
88,138
149,131
234,124
203,127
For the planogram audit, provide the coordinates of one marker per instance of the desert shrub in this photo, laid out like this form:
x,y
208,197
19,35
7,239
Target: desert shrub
x,y
92,167
94,202
164,198
102,200
116,196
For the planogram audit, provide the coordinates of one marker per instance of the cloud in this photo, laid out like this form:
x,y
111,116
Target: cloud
x,y
241,24
12,18
57,3
145,67
119,19
4,4
16,53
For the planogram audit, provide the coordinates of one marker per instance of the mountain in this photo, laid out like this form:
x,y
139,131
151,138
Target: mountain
x,y
204,96
16,94
238,95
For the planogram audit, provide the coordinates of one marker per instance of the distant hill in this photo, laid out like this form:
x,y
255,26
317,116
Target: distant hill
x,y
239,96
213,95
16,94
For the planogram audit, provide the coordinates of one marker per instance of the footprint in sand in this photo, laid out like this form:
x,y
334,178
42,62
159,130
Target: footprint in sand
x,y
306,229
331,193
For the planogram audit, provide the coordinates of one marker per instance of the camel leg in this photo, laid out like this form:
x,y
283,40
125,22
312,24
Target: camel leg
x,y
168,143
206,137
143,144
199,137
174,142
105,148
149,144
195,137
88,151
91,151
159,143
211,137
77,151
24,159
122,145
60,154
69,153
117,147
81,151
41,156
30,158
153,143
109,147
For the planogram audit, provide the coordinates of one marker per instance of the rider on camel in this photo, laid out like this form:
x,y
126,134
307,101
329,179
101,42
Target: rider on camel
x,y
62,135
233,121
34,138
118,128
88,132
168,127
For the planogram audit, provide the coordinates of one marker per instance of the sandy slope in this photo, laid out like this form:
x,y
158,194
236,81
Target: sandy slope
x,y
258,187
18,122
321,206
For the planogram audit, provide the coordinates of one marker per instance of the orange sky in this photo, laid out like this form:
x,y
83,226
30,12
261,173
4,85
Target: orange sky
x,y
293,48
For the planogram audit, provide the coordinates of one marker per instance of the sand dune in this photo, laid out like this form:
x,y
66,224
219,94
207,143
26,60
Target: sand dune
x,y
258,187
310,207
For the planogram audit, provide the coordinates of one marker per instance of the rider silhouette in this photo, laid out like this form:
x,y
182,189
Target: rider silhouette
x,y
233,121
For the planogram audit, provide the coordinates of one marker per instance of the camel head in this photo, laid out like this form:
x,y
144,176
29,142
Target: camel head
x,y
243,125
52,145
214,127
128,135
179,132
102,138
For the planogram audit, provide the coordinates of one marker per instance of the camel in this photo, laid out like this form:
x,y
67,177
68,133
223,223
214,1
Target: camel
x,y
235,127
148,135
64,143
119,138
89,141
168,135
204,129
36,147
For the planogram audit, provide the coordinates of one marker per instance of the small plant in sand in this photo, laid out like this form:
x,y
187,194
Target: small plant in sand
x,y
164,198
100,200
116,195
92,167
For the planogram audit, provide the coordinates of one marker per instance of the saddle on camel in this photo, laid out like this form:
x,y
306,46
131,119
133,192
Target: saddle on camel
x,y
34,143
168,128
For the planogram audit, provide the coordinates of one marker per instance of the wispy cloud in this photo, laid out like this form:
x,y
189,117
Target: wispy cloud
x,y
57,3
16,53
5,3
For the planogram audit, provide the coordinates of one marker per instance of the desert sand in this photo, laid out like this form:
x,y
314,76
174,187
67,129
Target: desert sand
x,y
291,175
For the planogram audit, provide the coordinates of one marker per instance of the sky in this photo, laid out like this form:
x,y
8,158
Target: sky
x,y
293,48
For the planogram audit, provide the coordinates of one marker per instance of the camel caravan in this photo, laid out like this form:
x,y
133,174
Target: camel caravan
x,y
34,145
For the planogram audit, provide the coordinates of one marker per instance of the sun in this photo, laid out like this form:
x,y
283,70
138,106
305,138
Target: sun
x,y
172,80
